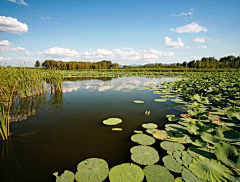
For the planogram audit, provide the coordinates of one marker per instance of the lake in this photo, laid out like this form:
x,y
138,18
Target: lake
x,y
54,132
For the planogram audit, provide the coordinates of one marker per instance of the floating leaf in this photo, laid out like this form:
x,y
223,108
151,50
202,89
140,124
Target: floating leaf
x,y
188,176
171,146
227,134
209,169
186,158
178,179
171,164
126,172
137,131
193,151
138,101
176,128
93,169
228,154
160,100
147,113
66,176
210,138
112,121
143,139
170,115
162,134
116,129
180,138
144,155
151,131
149,125
196,127
158,173
173,118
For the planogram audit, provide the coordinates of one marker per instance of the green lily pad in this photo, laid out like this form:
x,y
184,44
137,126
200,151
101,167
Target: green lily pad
x,y
188,176
171,164
162,134
228,154
193,151
144,155
112,121
171,146
151,131
176,128
149,125
210,169
173,118
126,172
138,132
186,158
180,138
143,139
93,169
170,115
66,176
138,101
210,138
160,100
158,173
116,129
178,179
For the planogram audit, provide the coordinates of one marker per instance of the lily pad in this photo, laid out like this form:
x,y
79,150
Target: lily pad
x,y
93,169
210,169
144,155
126,172
151,131
176,128
171,164
160,100
188,176
228,154
137,131
112,121
162,134
171,146
149,125
180,138
158,173
116,129
143,139
138,101
66,176
193,151
173,118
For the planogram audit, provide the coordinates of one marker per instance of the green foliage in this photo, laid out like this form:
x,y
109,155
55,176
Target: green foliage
x,y
117,129
4,124
112,121
144,155
138,101
161,134
126,172
228,154
188,176
172,146
160,100
66,176
93,169
210,169
143,139
171,164
149,125
157,173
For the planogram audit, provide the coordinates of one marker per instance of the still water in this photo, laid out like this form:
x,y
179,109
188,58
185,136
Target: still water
x,y
54,132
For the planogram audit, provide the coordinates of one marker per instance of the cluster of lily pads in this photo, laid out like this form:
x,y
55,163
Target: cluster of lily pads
x,y
201,145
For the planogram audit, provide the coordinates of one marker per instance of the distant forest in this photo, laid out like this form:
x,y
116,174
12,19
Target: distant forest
x,y
206,62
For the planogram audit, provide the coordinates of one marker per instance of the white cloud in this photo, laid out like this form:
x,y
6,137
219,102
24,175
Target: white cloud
x,y
184,14
203,47
4,43
12,25
194,57
150,56
104,52
22,2
17,49
200,39
176,45
190,28
60,52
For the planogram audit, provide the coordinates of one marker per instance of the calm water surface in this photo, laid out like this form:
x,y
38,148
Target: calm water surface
x,y
55,132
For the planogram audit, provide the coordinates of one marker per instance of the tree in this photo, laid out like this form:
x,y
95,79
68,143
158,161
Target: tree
x,y
37,64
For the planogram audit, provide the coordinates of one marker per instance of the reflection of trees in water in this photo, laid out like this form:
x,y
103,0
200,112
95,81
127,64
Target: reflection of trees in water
x,y
22,109
88,78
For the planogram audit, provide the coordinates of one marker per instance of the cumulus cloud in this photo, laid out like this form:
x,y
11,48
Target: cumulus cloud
x,y
4,43
150,56
176,45
203,47
190,28
22,2
158,53
12,25
194,57
60,52
17,49
199,39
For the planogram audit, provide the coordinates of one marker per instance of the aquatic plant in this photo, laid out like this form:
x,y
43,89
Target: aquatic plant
x,y
112,121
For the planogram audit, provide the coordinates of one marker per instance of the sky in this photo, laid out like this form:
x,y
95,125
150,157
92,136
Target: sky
x,y
127,32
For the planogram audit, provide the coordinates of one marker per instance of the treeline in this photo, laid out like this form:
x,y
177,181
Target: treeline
x,y
227,62
73,65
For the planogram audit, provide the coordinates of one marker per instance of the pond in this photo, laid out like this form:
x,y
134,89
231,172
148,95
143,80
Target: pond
x,y
54,132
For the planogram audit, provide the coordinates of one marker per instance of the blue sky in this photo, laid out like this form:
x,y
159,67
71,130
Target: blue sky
x,y
125,31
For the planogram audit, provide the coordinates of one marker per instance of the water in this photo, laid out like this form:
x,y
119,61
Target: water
x,y
55,132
